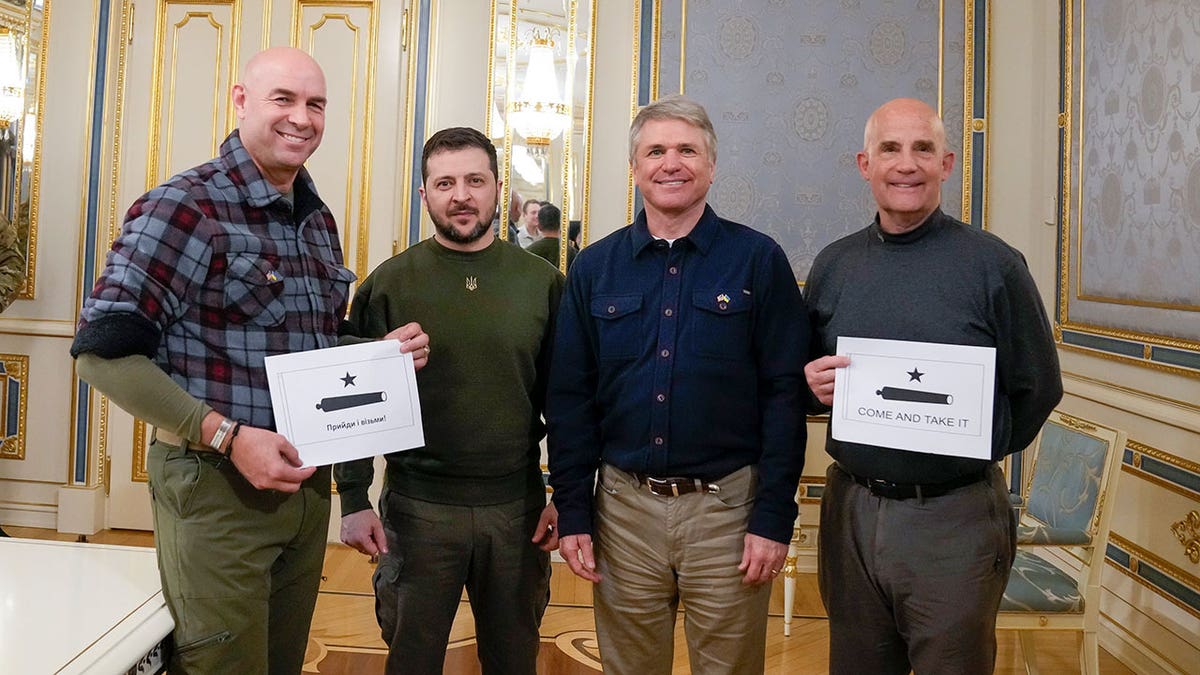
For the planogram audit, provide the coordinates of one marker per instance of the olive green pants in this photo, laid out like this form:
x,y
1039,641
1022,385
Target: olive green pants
x,y
240,567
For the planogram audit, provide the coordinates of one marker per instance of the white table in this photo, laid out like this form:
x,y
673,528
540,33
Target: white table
x,y
79,608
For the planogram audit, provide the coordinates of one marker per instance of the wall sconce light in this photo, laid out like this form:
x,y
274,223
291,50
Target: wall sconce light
x,y
538,114
12,79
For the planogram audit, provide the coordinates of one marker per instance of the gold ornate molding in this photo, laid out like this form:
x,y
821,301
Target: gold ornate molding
x,y
1077,424
1187,531
1137,555
14,381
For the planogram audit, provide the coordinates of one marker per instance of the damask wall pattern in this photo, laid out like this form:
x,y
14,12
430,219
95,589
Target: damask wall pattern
x,y
789,85
1131,201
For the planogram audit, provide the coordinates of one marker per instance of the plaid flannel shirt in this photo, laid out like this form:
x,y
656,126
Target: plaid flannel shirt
x,y
213,271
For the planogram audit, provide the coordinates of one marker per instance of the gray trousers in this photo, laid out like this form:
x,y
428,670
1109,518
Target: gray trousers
x,y
914,584
434,551
240,567
652,552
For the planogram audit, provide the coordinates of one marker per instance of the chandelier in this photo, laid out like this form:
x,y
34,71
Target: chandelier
x,y
12,81
538,114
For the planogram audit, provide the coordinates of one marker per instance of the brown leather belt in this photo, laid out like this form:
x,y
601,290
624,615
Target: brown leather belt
x,y
673,487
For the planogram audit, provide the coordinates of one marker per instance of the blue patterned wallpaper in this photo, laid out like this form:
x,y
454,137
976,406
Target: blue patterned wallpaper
x,y
1129,280
789,85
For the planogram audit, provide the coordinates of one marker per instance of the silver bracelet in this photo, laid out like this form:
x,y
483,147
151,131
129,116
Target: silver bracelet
x,y
223,429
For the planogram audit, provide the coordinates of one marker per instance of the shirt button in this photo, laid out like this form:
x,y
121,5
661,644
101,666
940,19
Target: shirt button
x,y
612,309
673,269
668,312
660,398
658,440
665,353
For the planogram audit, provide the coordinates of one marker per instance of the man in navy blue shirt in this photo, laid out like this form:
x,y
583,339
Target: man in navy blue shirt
x,y
677,377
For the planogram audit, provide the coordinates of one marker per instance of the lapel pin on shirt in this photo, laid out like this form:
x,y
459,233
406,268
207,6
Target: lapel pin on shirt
x,y
723,301
273,276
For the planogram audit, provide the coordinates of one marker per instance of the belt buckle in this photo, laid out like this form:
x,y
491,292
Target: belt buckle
x,y
663,487
881,488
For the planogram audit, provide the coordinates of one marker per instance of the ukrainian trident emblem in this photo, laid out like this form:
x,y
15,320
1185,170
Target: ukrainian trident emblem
x,y
472,283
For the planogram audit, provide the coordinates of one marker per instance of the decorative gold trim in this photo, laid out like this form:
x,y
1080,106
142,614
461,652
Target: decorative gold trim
x,y
266,24
683,46
1137,553
400,243
1134,337
215,134
986,207
1154,365
566,173
490,98
1070,120
1088,297
1136,471
510,78
633,106
154,133
29,285
103,468
968,100
1164,457
363,222
1077,424
1187,531
585,214
655,53
73,449
1066,123
1080,294
12,446
941,51
141,440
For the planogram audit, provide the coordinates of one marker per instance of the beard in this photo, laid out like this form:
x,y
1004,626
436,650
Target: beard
x,y
450,233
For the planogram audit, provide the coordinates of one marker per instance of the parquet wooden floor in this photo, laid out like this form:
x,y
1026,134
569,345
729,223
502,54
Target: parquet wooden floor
x,y
344,639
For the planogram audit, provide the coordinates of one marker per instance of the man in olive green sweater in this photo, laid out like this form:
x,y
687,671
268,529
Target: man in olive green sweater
x,y
468,509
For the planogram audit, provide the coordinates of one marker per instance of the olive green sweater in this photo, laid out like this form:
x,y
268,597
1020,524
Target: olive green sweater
x,y
490,319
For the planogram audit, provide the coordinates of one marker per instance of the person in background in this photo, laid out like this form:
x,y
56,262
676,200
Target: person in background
x,y
549,225
527,231
915,548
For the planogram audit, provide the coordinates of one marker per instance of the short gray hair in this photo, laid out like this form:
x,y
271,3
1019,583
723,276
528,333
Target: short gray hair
x,y
674,107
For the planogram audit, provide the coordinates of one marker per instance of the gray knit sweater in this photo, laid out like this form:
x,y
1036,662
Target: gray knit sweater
x,y
944,282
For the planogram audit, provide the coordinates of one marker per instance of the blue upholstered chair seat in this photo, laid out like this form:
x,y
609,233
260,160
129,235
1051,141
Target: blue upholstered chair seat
x,y
1037,533
1037,586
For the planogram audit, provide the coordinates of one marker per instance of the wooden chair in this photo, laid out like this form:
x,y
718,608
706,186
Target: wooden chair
x,y
1062,536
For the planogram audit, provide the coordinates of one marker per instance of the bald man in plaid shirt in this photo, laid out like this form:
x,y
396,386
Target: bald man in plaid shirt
x,y
221,266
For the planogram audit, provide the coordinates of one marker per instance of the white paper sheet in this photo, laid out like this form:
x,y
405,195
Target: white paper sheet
x,y
920,396
345,403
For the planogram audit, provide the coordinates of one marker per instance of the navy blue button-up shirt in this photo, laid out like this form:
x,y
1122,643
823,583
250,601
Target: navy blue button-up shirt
x,y
680,360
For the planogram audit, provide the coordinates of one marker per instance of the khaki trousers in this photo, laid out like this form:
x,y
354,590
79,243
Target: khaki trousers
x,y
653,552
240,567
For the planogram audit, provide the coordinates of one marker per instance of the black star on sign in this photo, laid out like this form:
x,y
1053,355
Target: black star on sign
x,y
348,379
914,374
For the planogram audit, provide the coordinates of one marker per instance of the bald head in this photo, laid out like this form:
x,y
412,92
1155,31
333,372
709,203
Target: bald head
x,y
904,107
904,158
267,64
280,105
